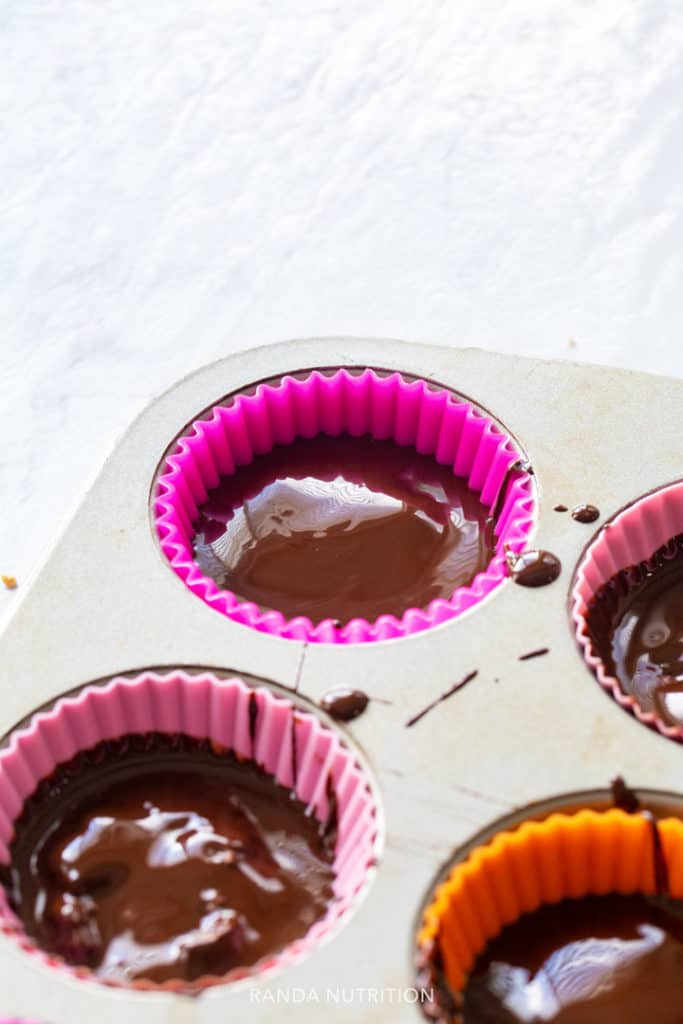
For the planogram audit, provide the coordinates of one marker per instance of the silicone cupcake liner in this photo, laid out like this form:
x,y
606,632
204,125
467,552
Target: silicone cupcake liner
x,y
388,407
294,746
565,856
632,537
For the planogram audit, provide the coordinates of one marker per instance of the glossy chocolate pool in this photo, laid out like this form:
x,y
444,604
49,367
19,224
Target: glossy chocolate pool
x,y
160,859
342,528
598,960
635,622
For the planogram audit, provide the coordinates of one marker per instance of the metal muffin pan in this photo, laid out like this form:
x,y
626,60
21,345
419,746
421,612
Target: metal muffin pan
x,y
105,602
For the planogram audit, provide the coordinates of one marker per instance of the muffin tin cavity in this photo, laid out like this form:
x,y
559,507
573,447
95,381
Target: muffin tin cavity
x,y
343,506
178,745
555,877
627,609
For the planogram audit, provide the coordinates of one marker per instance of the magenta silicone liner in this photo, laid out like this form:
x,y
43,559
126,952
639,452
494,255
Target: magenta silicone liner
x,y
387,407
633,536
204,707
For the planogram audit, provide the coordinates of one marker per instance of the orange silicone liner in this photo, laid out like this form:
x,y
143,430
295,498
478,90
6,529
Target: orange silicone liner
x,y
543,862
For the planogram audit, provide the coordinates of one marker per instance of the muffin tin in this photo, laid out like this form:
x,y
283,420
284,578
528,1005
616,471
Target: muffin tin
x,y
107,603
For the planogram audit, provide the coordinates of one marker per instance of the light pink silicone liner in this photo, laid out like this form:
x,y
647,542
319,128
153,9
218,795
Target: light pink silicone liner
x,y
633,536
204,707
410,412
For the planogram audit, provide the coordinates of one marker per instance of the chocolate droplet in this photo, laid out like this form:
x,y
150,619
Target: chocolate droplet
x,y
623,796
344,705
534,568
585,513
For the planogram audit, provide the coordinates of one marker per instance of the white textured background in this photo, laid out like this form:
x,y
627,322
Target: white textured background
x,y
181,178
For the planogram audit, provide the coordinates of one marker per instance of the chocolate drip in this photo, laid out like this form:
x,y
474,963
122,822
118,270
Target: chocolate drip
x,y
313,528
623,796
153,857
658,856
344,705
439,700
626,800
436,1000
585,513
534,568
253,717
560,508
518,466
295,753
538,653
331,824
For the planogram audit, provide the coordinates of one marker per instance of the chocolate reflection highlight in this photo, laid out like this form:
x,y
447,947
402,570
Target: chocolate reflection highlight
x,y
342,528
157,858
635,621
611,959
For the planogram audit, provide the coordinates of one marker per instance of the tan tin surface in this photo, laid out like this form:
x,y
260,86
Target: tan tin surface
x,y
106,602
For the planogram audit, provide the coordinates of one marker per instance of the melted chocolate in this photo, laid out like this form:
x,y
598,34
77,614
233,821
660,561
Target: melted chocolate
x,y
157,858
658,856
628,800
253,718
623,796
534,568
330,829
441,698
344,705
295,750
597,960
560,508
519,466
436,1000
339,528
635,622
585,513
538,653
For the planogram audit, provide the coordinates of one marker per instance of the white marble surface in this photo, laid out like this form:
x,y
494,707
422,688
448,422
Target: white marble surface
x,y
183,178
